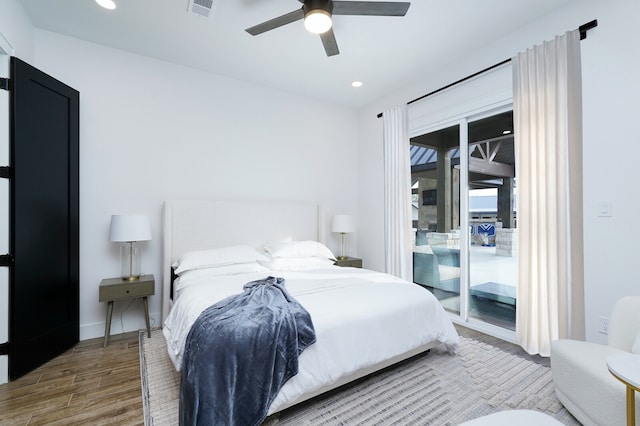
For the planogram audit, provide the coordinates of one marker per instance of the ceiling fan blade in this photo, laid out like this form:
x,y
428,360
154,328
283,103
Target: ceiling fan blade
x,y
371,8
276,22
329,42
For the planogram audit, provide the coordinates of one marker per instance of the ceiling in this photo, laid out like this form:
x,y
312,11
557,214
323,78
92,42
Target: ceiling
x,y
383,52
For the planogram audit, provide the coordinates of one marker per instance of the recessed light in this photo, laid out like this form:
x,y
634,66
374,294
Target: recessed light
x,y
357,83
506,132
107,4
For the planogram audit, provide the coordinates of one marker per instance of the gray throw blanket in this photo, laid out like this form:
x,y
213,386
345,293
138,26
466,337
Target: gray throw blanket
x,y
240,352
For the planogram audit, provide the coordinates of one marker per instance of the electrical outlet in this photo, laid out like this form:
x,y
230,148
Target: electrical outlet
x,y
603,325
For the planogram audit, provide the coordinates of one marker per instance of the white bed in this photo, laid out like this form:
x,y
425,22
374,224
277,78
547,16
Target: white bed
x,y
359,329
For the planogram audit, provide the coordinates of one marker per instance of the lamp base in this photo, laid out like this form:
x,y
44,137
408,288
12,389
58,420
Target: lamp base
x,y
130,261
342,257
131,278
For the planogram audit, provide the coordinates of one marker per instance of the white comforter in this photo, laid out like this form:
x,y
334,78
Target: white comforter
x,y
361,318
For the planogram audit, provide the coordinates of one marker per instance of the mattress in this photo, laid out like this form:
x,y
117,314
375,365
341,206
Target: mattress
x,y
361,318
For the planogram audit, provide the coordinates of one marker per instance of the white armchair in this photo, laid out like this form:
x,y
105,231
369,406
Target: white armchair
x,y
579,369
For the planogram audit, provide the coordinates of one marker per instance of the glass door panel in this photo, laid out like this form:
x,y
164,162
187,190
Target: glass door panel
x,y
492,221
435,173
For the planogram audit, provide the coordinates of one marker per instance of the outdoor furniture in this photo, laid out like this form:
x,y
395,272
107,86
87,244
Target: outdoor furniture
x,y
437,267
495,292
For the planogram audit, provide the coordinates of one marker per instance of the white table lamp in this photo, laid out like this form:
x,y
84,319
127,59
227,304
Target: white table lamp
x,y
342,224
129,229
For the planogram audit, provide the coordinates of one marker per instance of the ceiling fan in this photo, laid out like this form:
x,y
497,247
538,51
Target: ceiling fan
x,y
317,17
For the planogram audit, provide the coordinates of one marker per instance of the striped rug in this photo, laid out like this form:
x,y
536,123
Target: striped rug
x,y
433,389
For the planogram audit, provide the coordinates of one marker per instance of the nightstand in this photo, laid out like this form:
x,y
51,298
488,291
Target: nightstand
x,y
112,289
354,262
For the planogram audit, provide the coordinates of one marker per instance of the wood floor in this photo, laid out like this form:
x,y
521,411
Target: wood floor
x,y
87,385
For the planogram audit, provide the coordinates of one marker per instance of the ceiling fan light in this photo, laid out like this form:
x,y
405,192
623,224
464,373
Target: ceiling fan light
x,y
107,4
317,21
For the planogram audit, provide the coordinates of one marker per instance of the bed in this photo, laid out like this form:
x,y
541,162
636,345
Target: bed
x,y
359,330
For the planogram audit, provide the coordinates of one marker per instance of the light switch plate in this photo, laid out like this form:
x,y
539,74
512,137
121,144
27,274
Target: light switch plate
x,y
605,209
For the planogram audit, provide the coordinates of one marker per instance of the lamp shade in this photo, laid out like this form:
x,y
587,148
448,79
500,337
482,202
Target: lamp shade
x,y
342,223
129,227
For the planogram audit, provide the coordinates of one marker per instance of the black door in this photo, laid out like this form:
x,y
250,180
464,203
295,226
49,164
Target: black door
x,y
44,218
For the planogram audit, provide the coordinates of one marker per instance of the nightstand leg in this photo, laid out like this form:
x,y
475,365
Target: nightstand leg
x,y
107,327
146,315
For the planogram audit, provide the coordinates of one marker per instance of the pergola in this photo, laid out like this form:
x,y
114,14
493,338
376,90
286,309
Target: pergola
x,y
436,155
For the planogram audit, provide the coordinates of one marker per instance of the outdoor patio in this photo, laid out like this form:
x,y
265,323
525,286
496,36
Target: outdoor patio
x,y
493,281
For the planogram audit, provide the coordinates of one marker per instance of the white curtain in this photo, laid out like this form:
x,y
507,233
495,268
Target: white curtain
x,y
397,193
547,107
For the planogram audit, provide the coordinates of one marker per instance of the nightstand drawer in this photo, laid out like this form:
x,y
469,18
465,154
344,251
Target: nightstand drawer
x,y
116,289
353,262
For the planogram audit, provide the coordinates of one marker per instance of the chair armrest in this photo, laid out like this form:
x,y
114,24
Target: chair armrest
x,y
624,323
447,256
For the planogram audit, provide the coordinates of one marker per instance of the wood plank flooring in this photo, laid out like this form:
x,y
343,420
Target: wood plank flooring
x,y
87,385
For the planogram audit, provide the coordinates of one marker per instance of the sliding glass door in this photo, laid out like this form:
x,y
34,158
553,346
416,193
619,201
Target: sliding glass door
x,y
491,188
463,178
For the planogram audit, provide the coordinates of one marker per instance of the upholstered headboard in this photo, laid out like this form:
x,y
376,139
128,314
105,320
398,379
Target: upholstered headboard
x,y
203,224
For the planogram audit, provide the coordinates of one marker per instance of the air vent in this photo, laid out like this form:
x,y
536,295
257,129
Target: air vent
x,y
202,7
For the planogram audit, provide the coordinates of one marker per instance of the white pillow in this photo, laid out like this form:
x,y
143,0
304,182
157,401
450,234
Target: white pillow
x,y
423,249
299,263
196,277
299,249
235,269
201,259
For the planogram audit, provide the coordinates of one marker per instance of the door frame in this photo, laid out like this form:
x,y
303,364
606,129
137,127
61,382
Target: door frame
x,y
6,51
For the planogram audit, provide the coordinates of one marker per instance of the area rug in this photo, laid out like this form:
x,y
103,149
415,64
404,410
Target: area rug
x,y
433,389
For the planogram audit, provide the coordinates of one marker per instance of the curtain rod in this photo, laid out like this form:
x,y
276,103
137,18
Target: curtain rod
x,y
583,34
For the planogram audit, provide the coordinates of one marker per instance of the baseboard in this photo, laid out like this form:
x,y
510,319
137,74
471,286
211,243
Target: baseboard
x,y
131,323
4,369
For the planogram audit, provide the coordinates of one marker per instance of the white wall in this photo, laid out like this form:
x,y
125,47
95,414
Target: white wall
x,y
16,28
610,66
151,131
